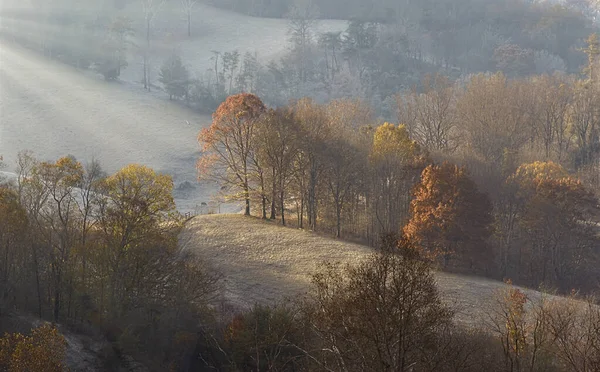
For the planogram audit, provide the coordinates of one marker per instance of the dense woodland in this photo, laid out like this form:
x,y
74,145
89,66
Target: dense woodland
x,y
485,177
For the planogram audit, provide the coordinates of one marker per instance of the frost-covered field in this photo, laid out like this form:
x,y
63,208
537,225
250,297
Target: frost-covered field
x,y
262,262
55,110
213,29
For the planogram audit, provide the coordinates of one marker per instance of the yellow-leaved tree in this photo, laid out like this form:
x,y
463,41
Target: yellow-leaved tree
x,y
43,351
136,216
396,162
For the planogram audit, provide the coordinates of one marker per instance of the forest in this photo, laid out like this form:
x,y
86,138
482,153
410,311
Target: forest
x,y
389,47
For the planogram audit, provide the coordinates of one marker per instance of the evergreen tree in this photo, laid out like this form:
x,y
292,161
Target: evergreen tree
x,y
175,77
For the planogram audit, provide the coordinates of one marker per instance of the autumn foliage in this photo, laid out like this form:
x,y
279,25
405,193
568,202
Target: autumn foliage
x,y
450,217
43,351
227,143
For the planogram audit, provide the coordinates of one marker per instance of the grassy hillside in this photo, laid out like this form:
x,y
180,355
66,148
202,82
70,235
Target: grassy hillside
x,y
263,262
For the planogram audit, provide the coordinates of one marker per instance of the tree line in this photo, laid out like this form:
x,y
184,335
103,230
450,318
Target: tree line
x,y
385,314
382,314
492,175
388,46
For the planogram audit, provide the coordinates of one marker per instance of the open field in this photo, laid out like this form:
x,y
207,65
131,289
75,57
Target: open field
x,y
55,110
263,262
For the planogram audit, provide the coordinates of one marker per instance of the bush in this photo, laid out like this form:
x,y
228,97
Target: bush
x,y
175,77
43,351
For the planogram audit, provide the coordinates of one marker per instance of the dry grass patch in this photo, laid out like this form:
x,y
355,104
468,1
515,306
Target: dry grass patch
x,y
263,262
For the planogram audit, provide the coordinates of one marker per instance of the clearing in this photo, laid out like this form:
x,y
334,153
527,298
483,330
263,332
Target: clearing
x,y
262,262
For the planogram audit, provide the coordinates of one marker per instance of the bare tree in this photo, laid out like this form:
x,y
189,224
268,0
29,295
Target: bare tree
x,y
188,7
303,18
150,8
432,114
384,314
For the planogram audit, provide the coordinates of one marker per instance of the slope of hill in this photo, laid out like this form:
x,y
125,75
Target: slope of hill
x,y
55,110
263,262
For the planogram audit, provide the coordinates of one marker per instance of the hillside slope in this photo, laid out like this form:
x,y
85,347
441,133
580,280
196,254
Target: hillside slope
x,y
263,262
55,110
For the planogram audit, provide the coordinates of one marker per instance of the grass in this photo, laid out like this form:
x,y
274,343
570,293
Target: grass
x,y
262,262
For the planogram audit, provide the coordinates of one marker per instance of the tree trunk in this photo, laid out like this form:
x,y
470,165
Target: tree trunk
x,y
57,299
189,16
338,212
146,73
37,281
301,221
273,196
247,198
282,207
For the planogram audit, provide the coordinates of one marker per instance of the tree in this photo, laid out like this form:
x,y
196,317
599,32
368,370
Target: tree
x,y
313,123
593,53
302,19
574,325
522,333
584,120
43,351
276,139
331,42
227,143
150,8
13,230
56,220
514,60
494,117
345,158
175,77
396,162
231,62
263,339
557,232
553,98
449,216
120,30
430,116
135,215
384,314
188,7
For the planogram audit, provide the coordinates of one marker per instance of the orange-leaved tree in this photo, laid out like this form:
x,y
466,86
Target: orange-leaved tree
x,y
450,217
227,143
